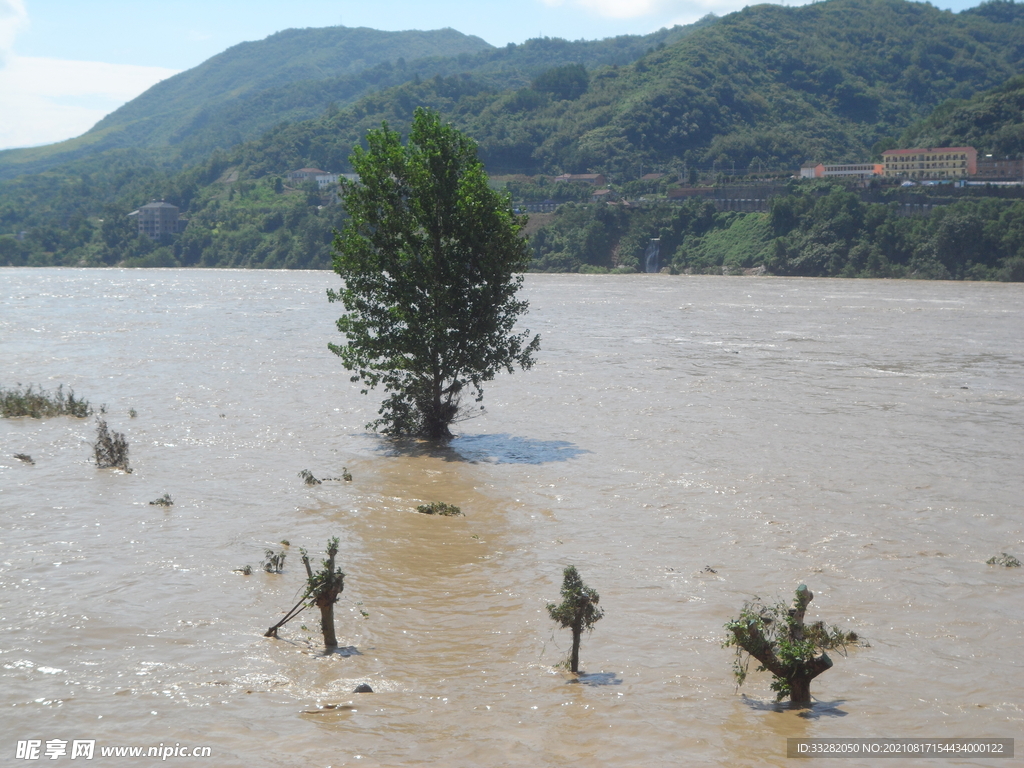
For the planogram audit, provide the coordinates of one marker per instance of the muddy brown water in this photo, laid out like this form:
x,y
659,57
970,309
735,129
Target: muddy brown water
x,y
686,442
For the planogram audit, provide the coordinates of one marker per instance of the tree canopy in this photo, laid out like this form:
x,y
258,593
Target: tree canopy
x,y
431,260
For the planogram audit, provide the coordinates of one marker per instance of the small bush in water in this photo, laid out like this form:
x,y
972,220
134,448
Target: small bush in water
x,y
110,448
439,508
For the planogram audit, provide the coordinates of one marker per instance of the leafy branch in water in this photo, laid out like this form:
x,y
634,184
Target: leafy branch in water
x,y
39,404
163,501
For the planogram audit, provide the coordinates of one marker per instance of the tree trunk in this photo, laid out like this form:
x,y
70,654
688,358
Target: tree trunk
x,y
800,690
574,660
327,621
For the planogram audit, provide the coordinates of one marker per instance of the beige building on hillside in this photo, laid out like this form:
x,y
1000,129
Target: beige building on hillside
x,y
930,163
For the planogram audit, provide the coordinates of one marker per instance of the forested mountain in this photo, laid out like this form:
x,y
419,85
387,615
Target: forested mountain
x,y
298,74
763,89
766,87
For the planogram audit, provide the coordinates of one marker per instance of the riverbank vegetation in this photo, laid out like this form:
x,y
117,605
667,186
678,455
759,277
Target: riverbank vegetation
x,y
812,230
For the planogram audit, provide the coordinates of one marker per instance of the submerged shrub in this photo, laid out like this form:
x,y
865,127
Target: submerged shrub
x,y
40,404
1004,559
307,477
110,448
163,501
273,562
439,508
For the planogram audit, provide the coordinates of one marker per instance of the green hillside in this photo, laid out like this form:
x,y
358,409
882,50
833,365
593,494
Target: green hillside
x,y
298,74
765,88
175,108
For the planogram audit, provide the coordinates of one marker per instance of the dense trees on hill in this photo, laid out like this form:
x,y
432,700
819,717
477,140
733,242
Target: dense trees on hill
x,y
819,230
992,122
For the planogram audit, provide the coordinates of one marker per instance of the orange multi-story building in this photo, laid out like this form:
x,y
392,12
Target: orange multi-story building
x,y
931,163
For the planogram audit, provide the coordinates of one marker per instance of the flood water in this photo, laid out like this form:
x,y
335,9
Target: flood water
x,y
686,442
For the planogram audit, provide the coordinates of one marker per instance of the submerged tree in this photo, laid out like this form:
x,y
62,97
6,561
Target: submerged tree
x,y
431,260
578,611
322,590
777,637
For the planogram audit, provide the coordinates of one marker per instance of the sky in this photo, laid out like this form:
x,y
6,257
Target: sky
x,y
64,64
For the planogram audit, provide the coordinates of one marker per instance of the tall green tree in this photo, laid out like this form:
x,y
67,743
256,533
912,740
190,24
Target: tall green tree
x,y
431,260
578,611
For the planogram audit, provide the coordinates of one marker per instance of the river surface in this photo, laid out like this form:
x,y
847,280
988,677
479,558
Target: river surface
x,y
686,442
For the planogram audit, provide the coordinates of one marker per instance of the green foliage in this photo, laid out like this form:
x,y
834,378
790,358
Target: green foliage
x,y
738,241
322,589
775,636
830,231
163,501
567,82
429,260
439,508
273,562
39,404
308,478
326,581
578,610
110,448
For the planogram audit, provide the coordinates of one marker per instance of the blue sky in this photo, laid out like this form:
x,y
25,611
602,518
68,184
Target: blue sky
x,y
64,64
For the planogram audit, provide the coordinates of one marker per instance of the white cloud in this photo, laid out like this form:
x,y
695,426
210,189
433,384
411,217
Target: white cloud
x,y
615,9
12,18
48,100
681,11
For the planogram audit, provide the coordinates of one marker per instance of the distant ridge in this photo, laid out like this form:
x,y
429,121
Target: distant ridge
x,y
171,110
